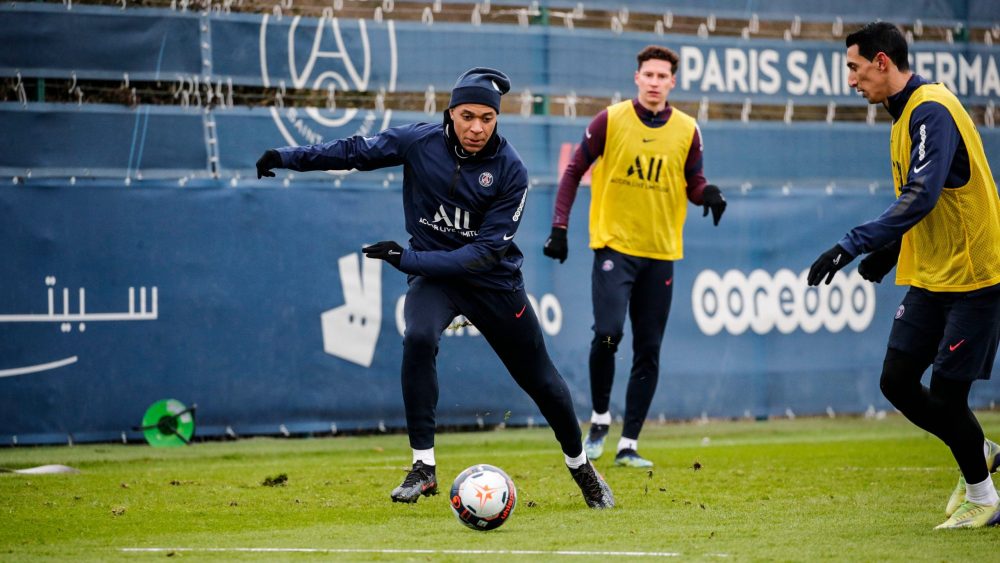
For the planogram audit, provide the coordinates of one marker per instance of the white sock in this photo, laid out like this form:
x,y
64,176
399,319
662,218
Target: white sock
x,y
628,444
982,493
426,456
600,418
576,462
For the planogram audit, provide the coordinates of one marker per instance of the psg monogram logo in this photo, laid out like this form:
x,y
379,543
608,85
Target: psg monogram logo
x,y
608,265
331,55
486,179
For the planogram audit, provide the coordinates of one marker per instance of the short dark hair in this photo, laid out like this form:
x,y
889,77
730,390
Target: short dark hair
x,y
660,53
881,37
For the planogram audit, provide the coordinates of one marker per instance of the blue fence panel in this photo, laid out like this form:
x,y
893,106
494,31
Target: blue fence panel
x,y
153,142
250,303
983,11
245,134
47,40
349,54
101,140
771,154
359,55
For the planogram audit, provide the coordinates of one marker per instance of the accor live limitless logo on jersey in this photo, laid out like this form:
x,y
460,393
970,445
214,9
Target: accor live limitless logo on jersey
x,y
644,171
763,302
451,221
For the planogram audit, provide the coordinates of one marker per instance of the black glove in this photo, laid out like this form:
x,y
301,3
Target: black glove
x,y
270,159
386,250
827,264
555,247
712,199
877,264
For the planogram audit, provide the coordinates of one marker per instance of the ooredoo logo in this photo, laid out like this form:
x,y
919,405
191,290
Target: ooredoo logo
x,y
763,302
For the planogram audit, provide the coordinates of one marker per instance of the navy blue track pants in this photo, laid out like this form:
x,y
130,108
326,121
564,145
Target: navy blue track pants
x,y
508,323
644,288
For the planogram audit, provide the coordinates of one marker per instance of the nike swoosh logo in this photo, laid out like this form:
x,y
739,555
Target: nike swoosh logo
x,y
953,347
648,140
587,132
670,281
917,169
393,252
508,237
836,260
518,315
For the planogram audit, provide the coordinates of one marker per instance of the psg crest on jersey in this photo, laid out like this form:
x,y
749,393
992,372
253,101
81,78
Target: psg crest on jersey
x,y
486,179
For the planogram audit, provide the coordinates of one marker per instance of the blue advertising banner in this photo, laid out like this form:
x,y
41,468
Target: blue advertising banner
x,y
808,10
727,69
366,56
257,305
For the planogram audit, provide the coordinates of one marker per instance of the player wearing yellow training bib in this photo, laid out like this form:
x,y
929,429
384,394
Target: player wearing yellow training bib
x,y
648,157
944,232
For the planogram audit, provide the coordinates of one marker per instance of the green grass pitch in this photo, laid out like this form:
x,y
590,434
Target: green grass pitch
x,y
845,489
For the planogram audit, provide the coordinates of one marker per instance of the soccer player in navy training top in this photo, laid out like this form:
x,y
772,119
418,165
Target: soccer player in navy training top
x,y
942,234
648,156
471,267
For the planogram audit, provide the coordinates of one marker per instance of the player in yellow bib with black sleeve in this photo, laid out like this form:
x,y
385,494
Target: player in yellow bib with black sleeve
x,y
648,167
942,234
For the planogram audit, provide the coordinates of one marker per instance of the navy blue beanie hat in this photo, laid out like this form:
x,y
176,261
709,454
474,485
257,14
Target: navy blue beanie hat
x,y
480,85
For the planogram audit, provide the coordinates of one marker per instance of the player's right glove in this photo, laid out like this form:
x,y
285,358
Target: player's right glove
x,y
270,159
879,263
387,250
556,247
712,199
828,263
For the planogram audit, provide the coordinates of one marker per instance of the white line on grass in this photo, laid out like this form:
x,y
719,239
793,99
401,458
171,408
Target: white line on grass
x,y
411,551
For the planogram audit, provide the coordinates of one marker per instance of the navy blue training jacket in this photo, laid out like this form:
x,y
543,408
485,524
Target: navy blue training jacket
x,y
461,213
923,188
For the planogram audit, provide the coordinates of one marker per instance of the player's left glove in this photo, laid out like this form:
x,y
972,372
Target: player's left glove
x,y
877,264
270,159
827,264
386,250
712,199
555,246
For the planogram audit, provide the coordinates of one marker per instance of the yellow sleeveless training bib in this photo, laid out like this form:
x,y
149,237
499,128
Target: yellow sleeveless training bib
x,y
639,190
956,247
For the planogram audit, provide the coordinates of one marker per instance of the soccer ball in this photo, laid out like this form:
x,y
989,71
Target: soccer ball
x,y
483,497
